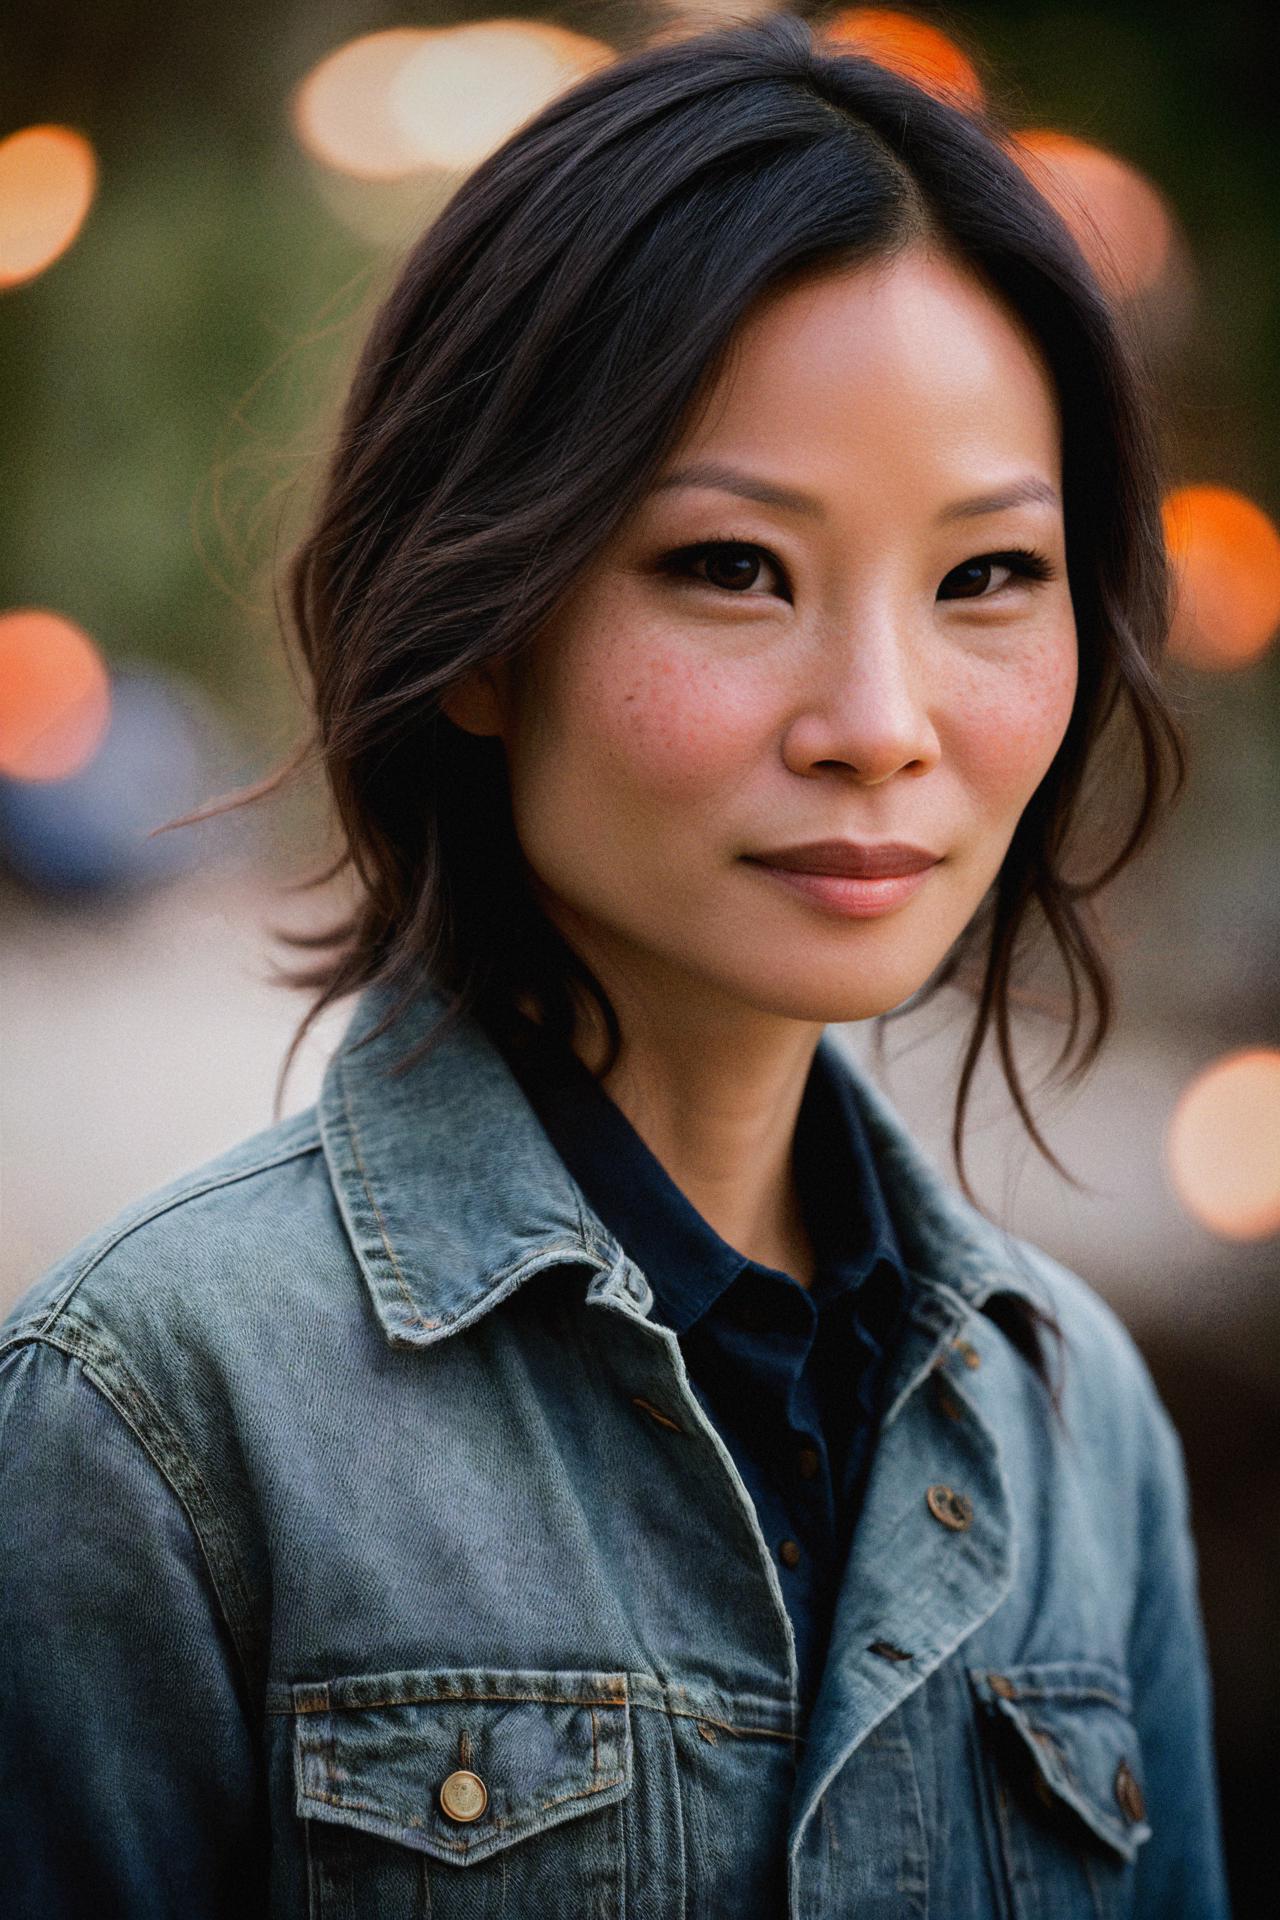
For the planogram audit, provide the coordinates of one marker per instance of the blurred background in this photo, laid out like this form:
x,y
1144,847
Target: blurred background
x,y
198,213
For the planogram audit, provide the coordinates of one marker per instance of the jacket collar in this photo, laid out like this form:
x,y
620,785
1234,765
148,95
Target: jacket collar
x,y
452,1195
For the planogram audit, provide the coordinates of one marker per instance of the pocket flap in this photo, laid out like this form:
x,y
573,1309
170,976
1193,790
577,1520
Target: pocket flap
x,y
374,1751
1074,1720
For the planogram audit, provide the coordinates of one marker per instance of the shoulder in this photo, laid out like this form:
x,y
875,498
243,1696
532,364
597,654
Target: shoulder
x,y
134,1373
1101,1360
1112,1424
213,1256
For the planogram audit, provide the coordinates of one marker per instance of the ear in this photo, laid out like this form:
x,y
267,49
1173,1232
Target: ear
x,y
475,702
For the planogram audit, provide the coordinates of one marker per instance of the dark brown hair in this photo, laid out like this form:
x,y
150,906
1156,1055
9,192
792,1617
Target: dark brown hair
x,y
540,352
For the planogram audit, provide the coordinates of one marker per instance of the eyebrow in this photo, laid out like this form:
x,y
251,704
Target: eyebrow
x,y
1031,490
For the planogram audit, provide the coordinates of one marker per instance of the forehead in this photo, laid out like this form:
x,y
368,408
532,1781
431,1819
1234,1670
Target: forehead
x,y
907,360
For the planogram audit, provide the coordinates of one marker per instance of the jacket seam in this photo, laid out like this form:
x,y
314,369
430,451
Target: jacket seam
x,y
292,1711
139,1412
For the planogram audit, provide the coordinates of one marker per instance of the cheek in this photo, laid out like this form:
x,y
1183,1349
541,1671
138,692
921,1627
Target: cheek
x,y
670,724
1012,726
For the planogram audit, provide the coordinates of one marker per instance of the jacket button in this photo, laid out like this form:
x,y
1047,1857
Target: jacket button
x,y
789,1553
463,1796
1129,1794
950,1507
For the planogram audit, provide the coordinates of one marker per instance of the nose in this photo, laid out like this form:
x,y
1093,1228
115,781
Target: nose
x,y
861,705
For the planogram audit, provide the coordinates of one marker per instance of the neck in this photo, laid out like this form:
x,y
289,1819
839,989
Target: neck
x,y
715,1098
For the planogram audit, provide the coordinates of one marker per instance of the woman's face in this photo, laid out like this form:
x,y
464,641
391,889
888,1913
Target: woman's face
x,y
859,656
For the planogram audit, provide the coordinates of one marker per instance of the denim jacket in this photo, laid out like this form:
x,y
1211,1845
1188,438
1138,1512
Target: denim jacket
x,y
367,1555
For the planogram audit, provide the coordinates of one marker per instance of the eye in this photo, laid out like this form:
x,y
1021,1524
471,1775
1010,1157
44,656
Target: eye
x,y
974,576
732,566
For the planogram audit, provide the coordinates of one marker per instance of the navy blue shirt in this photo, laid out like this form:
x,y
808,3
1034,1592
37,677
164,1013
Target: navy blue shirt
x,y
788,1375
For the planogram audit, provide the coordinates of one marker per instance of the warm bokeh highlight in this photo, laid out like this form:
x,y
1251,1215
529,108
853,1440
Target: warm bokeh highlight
x,y
909,46
48,177
1226,556
342,111
55,697
1120,219
469,88
1223,1145
396,103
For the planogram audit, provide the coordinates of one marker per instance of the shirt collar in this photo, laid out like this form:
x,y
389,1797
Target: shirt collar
x,y
684,1259
452,1194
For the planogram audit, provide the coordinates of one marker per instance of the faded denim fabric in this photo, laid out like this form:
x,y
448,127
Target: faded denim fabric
x,y
788,1375
367,1555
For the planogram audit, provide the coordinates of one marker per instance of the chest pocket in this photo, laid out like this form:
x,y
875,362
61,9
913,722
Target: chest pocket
x,y
1066,1799
463,1792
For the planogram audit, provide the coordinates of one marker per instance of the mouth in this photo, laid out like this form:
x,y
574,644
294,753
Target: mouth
x,y
851,859
846,879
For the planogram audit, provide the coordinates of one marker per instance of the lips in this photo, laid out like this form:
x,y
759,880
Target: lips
x,y
852,859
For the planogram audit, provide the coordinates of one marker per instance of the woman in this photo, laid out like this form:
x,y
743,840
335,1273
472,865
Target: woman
x,y
742,531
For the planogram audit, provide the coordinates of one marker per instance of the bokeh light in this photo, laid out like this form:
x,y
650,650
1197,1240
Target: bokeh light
x,y
1226,556
48,177
1223,1145
342,110
55,697
400,102
468,88
912,47
1120,220
94,831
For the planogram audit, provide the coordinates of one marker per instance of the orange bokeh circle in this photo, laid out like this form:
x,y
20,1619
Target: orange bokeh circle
x,y
55,696
1225,553
1222,1148
48,177
908,46
1118,217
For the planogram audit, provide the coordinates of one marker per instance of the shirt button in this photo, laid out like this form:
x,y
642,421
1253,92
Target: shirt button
x,y
789,1553
808,1463
950,1507
463,1796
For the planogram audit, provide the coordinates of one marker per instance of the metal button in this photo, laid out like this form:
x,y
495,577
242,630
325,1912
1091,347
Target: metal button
x,y
789,1553
950,1507
1129,1794
807,1461
463,1796
1005,1688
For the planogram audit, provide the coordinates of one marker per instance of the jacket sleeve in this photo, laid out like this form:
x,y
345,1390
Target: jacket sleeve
x,y
128,1779
1180,1869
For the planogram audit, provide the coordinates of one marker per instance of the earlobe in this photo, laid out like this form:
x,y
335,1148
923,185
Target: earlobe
x,y
474,703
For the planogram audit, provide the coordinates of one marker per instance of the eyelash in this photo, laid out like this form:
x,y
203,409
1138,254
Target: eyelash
x,y
1026,562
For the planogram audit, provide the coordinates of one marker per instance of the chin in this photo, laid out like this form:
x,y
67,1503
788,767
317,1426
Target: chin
x,y
829,997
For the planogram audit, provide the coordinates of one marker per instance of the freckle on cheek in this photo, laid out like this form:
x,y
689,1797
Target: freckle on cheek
x,y
1020,734
666,717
